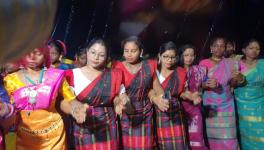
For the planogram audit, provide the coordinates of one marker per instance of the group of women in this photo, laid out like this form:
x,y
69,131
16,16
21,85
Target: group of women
x,y
171,102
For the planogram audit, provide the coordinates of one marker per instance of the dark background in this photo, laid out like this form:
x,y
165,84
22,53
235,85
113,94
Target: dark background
x,y
158,21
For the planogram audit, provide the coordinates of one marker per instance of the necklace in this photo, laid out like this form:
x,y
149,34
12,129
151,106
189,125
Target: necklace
x,y
32,92
134,69
216,60
27,78
250,64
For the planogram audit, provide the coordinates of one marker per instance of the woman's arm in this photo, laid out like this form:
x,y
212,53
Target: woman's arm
x,y
192,96
69,105
76,109
238,79
158,99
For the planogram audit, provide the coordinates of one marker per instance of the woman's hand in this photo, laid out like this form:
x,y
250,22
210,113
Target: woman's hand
x,y
78,112
119,105
237,78
196,98
161,103
211,83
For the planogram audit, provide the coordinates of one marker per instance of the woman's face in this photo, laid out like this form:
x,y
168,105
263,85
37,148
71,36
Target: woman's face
x,y
34,59
54,54
96,55
131,52
252,50
188,56
218,48
82,59
168,59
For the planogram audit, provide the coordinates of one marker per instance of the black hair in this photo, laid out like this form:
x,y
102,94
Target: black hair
x,y
57,45
217,38
182,50
81,50
231,41
97,40
245,45
167,46
134,39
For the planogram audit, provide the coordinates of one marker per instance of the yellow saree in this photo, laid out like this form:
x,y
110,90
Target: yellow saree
x,y
41,128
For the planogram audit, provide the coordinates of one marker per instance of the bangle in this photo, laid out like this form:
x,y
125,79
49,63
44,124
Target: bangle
x,y
242,81
11,110
5,111
73,110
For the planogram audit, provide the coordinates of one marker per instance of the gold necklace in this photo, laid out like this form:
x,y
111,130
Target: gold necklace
x,y
251,64
216,60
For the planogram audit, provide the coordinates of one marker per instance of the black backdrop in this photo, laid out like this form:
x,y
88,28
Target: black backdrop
x,y
157,21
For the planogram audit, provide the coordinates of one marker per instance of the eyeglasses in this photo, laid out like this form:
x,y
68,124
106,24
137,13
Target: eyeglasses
x,y
99,55
165,57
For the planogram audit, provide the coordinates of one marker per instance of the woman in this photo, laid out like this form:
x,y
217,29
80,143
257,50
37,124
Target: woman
x,y
80,58
250,97
57,51
96,86
218,99
139,77
10,136
195,76
231,50
34,90
6,111
170,128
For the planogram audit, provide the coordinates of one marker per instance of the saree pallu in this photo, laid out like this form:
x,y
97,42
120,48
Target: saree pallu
x,y
39,125
250,107
137,128
170,127
195,76
99,131
219,106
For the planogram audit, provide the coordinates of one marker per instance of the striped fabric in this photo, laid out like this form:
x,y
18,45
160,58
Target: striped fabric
x,y
220,107
221,130
170,128
137,131
195,76
250,107
137,128
99,132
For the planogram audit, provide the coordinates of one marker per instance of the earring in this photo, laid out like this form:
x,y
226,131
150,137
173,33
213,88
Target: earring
x,y
44,67
141,54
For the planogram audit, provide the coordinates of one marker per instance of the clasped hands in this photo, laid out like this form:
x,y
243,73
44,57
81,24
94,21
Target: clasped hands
x,y
79,111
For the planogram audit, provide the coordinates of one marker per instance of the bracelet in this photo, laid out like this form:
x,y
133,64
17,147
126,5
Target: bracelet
x,y
11,110
73,110
242,81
